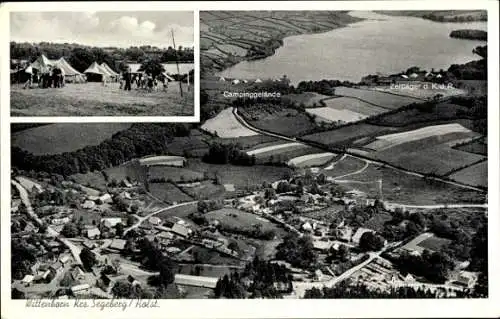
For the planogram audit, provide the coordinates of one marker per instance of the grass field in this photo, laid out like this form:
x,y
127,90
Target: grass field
x,y
308,99
404,117
354,105
94,99
476,147
407,189
168,192
234,218
381,99
91,179
476,175
309,160
344,166
225,125
240,176
205,190
434,243
180,211
428,155
176,174
287,122
64,137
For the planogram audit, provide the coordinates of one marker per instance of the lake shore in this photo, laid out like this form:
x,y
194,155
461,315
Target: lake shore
x,y
268,48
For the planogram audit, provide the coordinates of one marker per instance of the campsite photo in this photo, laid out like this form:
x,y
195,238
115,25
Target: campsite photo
x,y
102,63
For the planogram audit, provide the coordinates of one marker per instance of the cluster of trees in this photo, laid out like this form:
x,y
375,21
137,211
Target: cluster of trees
x,y
442,17
298,251
371,242
81,56
470,34
259,279
23,256
137,141
361,291
432,266
152,258
220,153
205,206
326,87
255,231
126,290
88,259
263,50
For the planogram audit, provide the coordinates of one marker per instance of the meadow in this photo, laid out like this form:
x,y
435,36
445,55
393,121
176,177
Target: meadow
x,y
94,99
377,98
59,138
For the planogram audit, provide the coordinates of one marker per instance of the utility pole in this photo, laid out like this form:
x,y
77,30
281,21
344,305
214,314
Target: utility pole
x,y
177,62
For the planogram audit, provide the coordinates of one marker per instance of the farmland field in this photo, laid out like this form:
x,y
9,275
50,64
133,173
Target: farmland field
x,y
240,176
94,99
176,174
317,159
163,160
93,179
347,134
443,133
476,175
354,105
205,190
180,211
246,142
225,125
274,147
327,114
381,99
287,122
408,189
64,137
233,49
308,99
344,166
476,147
427,156
168,192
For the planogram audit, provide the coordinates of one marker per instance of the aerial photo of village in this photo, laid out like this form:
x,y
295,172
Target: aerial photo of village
x,y
356,169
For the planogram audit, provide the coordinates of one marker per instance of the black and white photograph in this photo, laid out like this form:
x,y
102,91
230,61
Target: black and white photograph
x,y
102,63
341,160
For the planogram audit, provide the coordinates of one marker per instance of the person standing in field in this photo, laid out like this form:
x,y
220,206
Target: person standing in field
x,y
128,80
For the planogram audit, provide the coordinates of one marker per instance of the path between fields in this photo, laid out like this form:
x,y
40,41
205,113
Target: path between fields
x,y
357,156
359,171
142,219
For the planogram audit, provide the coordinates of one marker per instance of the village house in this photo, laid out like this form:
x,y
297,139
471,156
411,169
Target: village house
x,y
27,280
106,198
78,289
154,220
60,221
93,233
88,204
56,267
64,259
181,230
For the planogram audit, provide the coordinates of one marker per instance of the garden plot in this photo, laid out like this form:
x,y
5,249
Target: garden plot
x,y
391,140
384,100
225,125
327,114
317,159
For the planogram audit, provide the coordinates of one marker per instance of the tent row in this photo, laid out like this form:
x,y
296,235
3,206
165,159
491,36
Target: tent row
x,y
94,72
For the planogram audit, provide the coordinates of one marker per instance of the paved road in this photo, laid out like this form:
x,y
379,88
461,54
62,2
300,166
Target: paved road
x,y
142,219
354,155
75,250
300,287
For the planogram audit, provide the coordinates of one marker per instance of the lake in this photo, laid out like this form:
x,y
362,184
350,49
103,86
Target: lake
x,y
384,44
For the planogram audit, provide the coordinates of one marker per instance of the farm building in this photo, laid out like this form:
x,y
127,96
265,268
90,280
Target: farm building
x,y
181,230
106,198
80,288
88,204
28,279
467,279
118,244
60,221
195,281
357,235
93,233
56,267
154,220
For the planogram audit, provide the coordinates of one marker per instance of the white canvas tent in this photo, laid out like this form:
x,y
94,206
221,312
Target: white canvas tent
x,y
258,81
95,71
108,69
42,64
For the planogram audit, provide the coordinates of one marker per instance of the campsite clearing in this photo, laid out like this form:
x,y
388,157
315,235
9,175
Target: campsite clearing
x,y
95,99
225,125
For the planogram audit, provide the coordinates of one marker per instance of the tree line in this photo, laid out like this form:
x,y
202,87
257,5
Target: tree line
x,y
139,140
